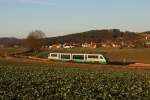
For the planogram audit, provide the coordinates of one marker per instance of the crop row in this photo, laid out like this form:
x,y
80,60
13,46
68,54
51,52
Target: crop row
x,y
35,81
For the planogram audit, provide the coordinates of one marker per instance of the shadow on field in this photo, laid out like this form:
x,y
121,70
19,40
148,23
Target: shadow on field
x,y
120,62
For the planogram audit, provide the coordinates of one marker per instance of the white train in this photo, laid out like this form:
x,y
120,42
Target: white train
x,y
79,58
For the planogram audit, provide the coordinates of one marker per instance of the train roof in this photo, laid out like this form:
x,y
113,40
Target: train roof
x,y
102,53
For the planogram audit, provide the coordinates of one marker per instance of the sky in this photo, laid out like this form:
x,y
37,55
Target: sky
x,y
60,17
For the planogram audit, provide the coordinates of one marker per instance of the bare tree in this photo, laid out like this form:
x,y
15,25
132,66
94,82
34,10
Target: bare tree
x,y
35,40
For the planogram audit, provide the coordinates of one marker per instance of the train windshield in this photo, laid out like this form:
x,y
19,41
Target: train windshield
x,y
53,55
101,57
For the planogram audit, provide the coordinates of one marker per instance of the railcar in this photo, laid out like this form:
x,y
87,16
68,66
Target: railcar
x,y
78,58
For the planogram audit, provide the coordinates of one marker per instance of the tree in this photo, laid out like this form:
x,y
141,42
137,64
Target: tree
x,y
35,40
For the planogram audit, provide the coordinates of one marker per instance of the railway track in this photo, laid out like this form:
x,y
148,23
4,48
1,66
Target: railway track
x,y
113,64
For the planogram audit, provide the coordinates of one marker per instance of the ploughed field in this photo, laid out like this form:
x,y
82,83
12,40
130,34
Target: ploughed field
x,y
44,81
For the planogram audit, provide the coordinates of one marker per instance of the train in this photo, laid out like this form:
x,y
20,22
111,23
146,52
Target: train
x,y
78,58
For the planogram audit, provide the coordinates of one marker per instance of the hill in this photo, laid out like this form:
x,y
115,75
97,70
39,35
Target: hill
x,y
10,41
95,36
146,34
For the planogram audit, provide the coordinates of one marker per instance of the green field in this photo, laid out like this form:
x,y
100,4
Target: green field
x,y
8,51
140,55
52,82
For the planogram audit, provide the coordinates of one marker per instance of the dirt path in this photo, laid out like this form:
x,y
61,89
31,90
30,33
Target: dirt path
x,y
139,66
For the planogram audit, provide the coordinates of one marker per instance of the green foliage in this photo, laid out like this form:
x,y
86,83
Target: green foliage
x,y
35,81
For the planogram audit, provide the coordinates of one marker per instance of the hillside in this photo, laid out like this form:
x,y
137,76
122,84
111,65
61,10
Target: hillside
x,y
146,34
10,41
95,36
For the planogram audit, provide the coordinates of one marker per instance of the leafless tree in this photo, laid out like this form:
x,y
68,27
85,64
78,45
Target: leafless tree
x,y
35,40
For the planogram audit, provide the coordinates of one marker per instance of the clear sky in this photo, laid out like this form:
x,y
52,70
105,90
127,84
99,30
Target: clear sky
x,y
59,17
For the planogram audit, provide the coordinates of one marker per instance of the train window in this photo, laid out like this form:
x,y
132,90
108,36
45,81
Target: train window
x,y
78,57
53,55
93,56
63,56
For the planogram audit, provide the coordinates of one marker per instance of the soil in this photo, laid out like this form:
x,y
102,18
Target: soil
x,y
139,66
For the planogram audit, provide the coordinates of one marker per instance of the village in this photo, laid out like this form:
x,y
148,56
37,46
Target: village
x,y
144,43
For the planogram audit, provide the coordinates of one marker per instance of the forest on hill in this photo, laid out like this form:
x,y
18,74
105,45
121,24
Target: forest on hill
x,y
95,36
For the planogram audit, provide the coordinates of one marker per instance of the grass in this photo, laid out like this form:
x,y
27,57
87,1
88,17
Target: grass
x,y
20,81
8,51
140,55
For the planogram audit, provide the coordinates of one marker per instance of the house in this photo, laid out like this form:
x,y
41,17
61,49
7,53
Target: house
x,y
147,44
67,46
89,45
55,46
115,45
105,45
16,46
111,44
147,41
85,45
